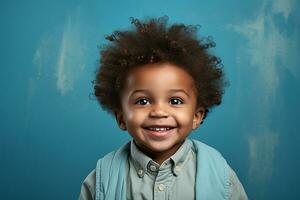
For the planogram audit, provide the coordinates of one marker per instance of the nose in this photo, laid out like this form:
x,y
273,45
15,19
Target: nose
x,y
158,111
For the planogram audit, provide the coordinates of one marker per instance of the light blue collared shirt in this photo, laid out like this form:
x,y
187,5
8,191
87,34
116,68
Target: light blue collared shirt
x,y
174,179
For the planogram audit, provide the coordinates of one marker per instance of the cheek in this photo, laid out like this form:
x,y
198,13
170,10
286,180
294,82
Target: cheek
x,y
185,118
134,117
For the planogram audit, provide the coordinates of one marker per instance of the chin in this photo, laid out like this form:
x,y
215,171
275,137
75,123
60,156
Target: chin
x,y
162,146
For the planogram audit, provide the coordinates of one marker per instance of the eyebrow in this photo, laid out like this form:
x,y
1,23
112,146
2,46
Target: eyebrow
x,y
180,90
170,91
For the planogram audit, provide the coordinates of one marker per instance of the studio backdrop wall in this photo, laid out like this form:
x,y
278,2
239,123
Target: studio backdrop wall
x,y
52,129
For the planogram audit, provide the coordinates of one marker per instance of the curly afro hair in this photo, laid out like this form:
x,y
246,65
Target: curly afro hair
x,y
153,41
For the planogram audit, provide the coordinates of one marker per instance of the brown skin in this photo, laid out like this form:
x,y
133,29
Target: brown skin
x,y
159,95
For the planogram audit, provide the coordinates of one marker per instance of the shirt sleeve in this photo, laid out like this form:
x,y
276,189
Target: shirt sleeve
x,y
237,191
87,191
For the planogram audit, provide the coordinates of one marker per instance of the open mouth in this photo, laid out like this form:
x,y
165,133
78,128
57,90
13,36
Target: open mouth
x,y
159,132
159,128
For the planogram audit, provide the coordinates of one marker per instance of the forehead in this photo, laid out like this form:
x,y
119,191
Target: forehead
x,y
159,77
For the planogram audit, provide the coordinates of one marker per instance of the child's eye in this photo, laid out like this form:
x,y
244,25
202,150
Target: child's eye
x,y
176,101
142,101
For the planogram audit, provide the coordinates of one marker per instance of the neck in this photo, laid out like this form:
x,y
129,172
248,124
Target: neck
x,y
159,156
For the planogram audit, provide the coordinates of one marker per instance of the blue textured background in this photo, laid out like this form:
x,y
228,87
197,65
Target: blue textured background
x,y
52,132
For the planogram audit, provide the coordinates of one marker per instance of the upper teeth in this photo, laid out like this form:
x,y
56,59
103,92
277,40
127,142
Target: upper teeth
x,y
158,129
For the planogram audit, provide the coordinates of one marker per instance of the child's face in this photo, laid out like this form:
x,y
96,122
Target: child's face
x,y
159,108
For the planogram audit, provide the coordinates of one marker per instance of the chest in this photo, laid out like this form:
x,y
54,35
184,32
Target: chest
x,y
169,182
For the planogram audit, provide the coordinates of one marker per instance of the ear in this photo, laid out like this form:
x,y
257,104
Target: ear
x,y
198,117
120,120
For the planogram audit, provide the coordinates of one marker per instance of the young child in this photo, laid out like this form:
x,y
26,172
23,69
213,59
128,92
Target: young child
x,y
159,82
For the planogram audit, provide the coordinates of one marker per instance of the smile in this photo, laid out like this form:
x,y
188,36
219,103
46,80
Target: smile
x,y
159,132
158,129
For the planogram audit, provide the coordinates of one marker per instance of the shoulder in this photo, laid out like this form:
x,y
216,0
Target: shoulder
x,y
206,151
111,163
212,159
105,167
110,172
236,188
87,191
213,167
115,156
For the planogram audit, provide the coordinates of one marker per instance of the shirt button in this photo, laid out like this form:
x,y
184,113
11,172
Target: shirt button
x,y
153,168
161,187
140,172
177,168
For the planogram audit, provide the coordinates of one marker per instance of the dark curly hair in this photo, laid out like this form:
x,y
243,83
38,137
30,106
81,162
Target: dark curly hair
x,y
152,41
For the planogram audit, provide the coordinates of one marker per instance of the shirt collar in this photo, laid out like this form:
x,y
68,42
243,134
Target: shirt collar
x,y
141,161
180,157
